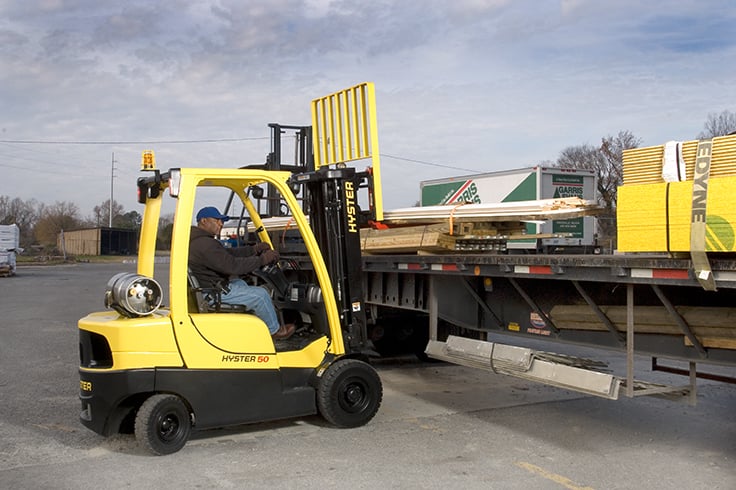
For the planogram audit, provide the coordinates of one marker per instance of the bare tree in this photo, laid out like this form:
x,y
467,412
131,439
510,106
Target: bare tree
x,y
165,231
611,175
718,125
607,163
62,215
101,213
131,220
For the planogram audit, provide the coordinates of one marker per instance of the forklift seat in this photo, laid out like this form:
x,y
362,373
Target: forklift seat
x,y
209,300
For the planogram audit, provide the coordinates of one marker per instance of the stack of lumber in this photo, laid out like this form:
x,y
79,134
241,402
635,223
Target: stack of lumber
x,y
644,165
713,326
542,209
468,227
458,228
435,238
656,216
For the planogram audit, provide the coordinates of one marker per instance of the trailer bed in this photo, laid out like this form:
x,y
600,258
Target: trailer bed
x,y
650,304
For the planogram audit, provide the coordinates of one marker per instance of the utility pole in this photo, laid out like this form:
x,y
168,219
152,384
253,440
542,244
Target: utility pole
x,y
112,187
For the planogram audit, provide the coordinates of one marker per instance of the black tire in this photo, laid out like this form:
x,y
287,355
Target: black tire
x,y
349,393
163,424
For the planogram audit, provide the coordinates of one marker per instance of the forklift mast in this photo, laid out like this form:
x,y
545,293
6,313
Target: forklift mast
x,y
335,222
338,199
303,160
344,129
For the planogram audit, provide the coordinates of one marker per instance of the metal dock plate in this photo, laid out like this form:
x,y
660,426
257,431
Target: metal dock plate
x,y
551,369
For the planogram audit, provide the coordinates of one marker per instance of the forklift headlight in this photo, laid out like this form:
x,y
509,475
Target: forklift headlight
x,y
174,182
133,295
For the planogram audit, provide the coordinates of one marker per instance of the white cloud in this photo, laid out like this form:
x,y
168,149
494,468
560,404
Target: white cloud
x,y
482,85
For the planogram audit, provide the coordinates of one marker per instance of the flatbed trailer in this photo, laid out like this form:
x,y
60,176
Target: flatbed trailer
x,y
457,304
636,304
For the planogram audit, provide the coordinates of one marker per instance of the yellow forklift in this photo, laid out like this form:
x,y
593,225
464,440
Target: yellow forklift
x,y
162,371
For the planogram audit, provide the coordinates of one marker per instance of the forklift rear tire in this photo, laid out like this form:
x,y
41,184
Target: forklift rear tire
x,y
349,393
163,424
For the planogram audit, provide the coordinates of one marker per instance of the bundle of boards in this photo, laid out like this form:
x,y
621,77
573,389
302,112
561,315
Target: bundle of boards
x,y
467,227
656,215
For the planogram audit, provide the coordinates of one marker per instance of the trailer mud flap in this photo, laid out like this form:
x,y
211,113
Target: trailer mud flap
x,y
552,369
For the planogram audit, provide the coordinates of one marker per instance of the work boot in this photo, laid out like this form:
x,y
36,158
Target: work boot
x,y
284,332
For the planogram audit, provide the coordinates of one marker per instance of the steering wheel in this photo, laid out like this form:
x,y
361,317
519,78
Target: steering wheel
x,y
273,275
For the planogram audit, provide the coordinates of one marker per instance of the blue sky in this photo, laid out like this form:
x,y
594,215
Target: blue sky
x,y
466,85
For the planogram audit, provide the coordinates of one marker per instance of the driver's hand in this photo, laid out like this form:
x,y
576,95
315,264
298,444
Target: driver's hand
x,y
269,256
261,247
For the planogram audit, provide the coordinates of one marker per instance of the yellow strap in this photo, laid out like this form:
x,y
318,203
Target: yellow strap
x,y
452,215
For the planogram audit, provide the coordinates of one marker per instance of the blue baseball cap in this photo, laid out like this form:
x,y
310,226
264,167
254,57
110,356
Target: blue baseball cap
x,y
211,212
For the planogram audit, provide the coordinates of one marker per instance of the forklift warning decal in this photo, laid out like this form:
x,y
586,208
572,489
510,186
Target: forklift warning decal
x,y
539,326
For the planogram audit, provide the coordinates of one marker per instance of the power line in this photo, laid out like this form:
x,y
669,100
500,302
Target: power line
x,y
220,140
39,171
7,157
149,142
429,163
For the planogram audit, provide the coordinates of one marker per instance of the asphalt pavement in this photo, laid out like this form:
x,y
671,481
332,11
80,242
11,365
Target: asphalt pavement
x,y
440,426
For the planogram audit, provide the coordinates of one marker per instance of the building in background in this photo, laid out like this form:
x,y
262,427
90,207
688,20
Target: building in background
x,y
98,241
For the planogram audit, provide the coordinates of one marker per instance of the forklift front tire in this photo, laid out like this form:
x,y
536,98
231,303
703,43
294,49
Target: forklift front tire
x,y
349,393
163,424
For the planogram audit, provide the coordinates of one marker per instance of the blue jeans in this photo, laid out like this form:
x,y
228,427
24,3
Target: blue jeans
x,y
254,298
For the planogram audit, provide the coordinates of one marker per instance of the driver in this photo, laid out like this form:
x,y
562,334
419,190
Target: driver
x,y
218,267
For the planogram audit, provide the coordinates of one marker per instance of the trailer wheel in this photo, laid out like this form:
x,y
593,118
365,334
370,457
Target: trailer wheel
x,y
162,424
349,393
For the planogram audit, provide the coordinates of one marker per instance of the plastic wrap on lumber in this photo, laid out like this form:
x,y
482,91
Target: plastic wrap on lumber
x,y
642,218
657,217
720,215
